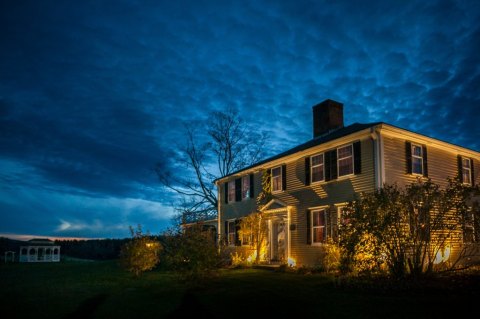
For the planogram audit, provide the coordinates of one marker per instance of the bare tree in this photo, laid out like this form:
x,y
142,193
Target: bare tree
x,y
231,144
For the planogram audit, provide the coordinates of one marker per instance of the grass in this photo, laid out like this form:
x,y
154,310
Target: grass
x,y
77,289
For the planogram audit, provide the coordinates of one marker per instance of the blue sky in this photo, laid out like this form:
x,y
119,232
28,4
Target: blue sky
x,y
94,93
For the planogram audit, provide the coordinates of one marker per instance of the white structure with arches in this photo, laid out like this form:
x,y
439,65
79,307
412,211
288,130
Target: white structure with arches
x,y
39,250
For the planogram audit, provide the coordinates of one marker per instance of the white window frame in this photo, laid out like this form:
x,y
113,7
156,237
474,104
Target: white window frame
x,y
250,240
230,192
279,177
231,242
245,193
312,227
418,157
469,169
318,165
338,161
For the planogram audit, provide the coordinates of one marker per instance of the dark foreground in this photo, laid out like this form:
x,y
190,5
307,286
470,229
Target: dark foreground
x,y
103,290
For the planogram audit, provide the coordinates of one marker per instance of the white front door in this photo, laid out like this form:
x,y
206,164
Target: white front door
x,y
278,239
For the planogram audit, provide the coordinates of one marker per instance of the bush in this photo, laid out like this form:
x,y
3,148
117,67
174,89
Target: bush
x,y
141,253
192,254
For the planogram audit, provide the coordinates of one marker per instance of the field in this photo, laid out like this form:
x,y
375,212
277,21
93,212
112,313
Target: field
x,y
103,290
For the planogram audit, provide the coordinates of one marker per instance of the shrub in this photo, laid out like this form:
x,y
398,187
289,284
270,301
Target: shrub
x,y
192,254
141,253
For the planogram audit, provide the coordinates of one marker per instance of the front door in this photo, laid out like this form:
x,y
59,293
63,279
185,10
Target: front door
x,y
278,241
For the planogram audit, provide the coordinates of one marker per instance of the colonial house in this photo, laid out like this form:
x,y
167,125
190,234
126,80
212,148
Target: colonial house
x,y
312,182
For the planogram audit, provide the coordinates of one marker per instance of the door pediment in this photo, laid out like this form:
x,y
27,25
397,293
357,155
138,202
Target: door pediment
x,y
274,205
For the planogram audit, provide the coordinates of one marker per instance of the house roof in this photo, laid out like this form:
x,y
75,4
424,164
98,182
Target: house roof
x,y
329,136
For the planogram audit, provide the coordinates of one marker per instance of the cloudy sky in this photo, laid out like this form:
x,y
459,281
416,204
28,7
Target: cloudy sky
x,y
94,93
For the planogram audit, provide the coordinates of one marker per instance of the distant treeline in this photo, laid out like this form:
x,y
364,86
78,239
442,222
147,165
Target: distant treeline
x,y
96,249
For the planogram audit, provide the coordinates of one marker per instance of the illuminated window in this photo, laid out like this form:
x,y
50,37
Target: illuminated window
x,y
345,160
231,233
277,179
317,168
231,191
319,231
246,186
417,159
467,171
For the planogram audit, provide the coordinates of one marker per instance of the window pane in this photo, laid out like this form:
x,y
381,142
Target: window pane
x,y
317,173
276,179
246,187
345,166
466,176
345,151
417,165
416,150
277,186
231,191
318,218
317,160
318,234
466,163
276,171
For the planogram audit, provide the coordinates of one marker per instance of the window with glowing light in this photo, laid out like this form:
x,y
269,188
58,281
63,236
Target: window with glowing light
x,y
319,231
467,171
345,160
316,168
246,187
231,191
277,179
417,159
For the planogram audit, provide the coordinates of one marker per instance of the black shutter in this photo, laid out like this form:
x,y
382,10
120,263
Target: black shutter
x,y
284,177
307,170
472,165
226,192
237,233
460,168
252,191
269,174
238,190
226,232
425,161
309,231
357,157
408,156
326,166
333,164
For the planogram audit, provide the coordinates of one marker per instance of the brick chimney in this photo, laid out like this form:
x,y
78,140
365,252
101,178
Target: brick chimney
x,y
327,115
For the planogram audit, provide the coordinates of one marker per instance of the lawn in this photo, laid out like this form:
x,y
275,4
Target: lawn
x,y
103,290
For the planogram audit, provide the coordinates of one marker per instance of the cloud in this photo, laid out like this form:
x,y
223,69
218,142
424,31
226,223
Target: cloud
x,y
94,95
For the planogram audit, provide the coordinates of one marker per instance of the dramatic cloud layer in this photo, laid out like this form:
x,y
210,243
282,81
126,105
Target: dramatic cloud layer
x,y
94,94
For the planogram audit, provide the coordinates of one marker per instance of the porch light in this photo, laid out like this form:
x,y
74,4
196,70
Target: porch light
x,y
291,262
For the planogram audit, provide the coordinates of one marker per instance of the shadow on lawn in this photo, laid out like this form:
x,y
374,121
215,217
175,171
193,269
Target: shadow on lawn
x,y
87,308
190,306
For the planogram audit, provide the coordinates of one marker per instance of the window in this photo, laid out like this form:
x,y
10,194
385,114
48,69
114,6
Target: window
x,y
316,168
277,179
246,186
231,233
345,160
247,239
319,232
469,228
231,191
466,171
417,159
